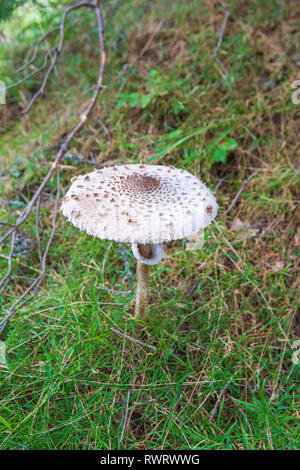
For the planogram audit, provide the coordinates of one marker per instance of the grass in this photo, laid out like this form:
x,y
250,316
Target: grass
x,y
222,320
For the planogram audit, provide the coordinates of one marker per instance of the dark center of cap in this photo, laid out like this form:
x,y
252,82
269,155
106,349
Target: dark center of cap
x,y
140,183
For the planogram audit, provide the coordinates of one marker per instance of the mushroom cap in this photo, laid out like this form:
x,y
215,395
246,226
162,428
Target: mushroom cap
x,y
139,203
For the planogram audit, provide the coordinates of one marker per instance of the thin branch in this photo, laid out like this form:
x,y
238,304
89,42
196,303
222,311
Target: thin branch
x,y
77,160
220,40
221,35
7,223
42,88
220,182
192,289
217,404
120,333
241,190
31,74
36,48
105,130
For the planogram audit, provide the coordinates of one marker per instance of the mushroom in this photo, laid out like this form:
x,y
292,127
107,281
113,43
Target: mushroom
x,y
144,205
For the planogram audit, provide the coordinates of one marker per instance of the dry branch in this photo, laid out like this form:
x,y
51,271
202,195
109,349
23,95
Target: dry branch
x,y
36,48
120,333
220,40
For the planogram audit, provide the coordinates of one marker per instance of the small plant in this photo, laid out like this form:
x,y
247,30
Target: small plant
x,y
220,152
157,86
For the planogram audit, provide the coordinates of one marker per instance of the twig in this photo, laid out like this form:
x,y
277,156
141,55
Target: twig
x,y
7,223
220,40
241,190
126,78
224,70
192,288
227,13
217,404
42,88
125,416
145,48
36,48
219,183
92,158
132,339
31,74
105,130
77,160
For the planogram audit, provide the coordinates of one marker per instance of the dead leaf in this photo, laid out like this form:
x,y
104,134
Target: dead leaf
x,y
278,266
237,225
245,229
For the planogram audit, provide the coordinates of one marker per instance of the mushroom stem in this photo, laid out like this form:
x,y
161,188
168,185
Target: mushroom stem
x,y
142,291
148,253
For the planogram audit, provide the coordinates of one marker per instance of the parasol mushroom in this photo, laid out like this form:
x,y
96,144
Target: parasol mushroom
x,y
144,205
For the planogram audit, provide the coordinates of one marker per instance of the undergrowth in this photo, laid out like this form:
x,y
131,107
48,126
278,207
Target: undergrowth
x,y
222,320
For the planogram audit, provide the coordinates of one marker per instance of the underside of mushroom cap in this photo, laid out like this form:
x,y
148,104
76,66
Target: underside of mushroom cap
x,y
139,203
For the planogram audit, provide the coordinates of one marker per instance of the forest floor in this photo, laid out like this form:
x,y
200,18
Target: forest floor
x,y
223,320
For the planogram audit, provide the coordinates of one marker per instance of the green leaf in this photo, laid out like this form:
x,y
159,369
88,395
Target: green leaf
x,y
229,144
133,99
219,155
123,98
6,423
145,100
153,73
